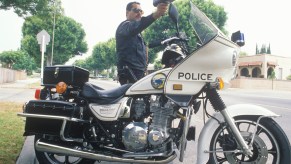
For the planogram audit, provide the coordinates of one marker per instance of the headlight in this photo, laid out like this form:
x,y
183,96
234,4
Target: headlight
x,y
218,83
158,81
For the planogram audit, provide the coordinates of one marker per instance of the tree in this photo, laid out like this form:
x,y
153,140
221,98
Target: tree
x,y
269,49
104,55
263,49
17,60
164,28
242,54
158,65
272,77
23,8
257,49
84,63
68,41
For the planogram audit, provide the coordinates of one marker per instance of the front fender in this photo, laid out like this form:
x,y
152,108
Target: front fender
x,y
211,125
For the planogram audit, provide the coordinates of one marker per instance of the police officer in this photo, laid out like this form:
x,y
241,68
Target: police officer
x,y
130,46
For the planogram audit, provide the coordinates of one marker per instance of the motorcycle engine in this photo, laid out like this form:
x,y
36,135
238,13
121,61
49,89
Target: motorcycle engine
x,y
137,136
134,136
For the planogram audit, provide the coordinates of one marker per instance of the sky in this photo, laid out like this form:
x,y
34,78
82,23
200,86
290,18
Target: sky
x,y
261,21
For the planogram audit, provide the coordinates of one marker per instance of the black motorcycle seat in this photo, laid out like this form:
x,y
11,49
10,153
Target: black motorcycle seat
x,y
98,95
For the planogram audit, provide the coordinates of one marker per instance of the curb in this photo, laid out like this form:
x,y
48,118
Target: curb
x,y
27,154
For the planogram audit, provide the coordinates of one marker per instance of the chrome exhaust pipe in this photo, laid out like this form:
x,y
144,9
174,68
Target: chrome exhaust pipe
x,y
52,148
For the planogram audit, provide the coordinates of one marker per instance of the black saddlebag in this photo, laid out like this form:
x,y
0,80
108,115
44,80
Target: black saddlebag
x,y
72,75
47,117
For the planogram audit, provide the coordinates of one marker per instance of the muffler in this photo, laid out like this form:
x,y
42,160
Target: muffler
x,y
56,149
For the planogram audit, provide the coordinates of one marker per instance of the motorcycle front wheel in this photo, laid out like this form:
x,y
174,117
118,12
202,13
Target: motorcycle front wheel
x,y
270,145
51,158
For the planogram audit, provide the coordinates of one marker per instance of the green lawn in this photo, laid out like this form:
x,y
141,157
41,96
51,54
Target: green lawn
x,y
11,131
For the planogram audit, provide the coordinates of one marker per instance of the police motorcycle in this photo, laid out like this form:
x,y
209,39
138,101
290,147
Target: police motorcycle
x,y
149,121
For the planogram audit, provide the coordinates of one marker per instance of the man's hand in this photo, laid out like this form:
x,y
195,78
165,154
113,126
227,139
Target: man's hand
x,y
161,10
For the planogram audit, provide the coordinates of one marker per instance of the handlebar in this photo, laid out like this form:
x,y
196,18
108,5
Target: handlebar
x,y
169,40
155,44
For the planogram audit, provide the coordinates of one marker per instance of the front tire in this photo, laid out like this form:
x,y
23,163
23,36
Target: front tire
x,y
270,145
51,158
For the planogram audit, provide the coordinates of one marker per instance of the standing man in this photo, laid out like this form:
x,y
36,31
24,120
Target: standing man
x,y
130,46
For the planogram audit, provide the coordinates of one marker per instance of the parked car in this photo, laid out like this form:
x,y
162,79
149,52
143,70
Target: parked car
x,y
101,76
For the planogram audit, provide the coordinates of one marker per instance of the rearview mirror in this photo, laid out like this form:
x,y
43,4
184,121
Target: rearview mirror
x,y
174,15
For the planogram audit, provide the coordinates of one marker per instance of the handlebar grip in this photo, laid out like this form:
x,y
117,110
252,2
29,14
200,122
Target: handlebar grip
x,y
156,2
155,44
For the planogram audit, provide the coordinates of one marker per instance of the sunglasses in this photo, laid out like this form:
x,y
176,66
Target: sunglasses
x,y
136,10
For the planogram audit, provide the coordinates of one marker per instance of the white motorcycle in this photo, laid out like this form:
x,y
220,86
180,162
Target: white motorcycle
x,y
149,121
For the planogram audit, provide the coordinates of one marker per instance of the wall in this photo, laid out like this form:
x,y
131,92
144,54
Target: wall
x,y
259,83
8,75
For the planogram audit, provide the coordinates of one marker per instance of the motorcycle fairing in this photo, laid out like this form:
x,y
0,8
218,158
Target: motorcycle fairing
x,y
211,125
111,112
143,86
215,59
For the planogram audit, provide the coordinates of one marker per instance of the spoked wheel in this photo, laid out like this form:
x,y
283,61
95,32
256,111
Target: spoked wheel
x,y
270,143
51,158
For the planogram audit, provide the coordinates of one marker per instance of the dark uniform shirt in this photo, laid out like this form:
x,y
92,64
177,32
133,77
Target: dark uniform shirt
x,y
130,47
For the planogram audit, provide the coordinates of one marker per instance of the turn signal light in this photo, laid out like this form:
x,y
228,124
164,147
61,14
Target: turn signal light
x,y
177,87
37,94
61,87
220,83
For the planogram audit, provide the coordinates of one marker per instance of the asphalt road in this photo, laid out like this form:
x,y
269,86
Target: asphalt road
x,y
277,101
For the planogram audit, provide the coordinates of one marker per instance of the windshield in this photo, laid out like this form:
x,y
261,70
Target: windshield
x,y
203,27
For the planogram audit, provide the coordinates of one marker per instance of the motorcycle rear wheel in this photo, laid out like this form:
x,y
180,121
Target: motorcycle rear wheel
x,y
51,158
271,144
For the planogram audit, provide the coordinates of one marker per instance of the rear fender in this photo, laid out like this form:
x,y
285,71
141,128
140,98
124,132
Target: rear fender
x,y
211,125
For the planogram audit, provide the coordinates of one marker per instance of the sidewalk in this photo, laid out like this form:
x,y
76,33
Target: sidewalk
x,y
21,83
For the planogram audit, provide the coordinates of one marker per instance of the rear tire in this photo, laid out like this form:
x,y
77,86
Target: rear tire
x,y
51,158
271,144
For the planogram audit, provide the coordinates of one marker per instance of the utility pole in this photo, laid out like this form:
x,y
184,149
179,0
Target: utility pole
x,y
53,39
